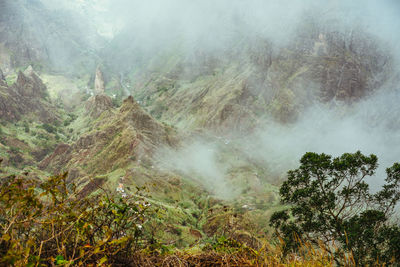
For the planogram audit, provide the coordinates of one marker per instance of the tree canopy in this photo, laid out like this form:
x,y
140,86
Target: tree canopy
x,y
329,201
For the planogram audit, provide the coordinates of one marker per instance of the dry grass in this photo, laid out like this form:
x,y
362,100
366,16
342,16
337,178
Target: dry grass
x,y
220,259
268,255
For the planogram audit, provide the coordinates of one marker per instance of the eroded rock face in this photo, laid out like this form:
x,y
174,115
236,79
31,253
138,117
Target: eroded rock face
x,y
10,108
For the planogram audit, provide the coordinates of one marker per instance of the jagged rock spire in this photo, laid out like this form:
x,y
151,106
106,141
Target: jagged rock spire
x,y
1,75
99,86
29,84
29,71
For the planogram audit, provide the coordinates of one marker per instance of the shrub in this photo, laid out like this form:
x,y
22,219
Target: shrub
x,y
49,128
46,223
26,127
67,122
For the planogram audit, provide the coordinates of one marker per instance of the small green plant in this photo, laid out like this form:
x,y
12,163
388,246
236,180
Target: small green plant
x,y
67,122
49,128
14,150
26,127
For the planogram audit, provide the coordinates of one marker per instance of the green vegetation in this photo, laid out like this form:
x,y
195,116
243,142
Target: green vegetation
x,y
11,79
49,128
26,127
330,203
71,118
52,223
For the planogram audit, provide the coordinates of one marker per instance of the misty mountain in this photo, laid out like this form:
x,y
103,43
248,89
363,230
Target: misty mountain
x,y
235,88
59,40
196,109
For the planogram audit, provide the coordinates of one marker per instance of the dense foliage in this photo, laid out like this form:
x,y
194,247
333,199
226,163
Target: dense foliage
x,y
329,201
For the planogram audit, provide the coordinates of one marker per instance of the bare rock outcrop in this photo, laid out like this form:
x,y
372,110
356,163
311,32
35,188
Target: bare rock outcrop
x,y
9,108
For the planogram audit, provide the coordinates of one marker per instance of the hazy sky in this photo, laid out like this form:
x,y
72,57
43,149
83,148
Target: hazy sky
x,y
205,20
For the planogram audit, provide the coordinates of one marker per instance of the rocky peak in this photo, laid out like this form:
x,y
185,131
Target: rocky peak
x,y
29,72
129,104
132,114
26,96
97,104
99,85
29,84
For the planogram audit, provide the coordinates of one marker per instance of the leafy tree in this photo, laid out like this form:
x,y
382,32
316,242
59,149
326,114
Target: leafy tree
x,y
329,201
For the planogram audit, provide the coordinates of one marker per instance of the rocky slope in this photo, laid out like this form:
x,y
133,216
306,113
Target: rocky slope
x,y
29,122
116,139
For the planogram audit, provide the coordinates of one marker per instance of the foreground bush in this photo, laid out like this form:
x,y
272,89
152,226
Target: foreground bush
x,y
49,223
